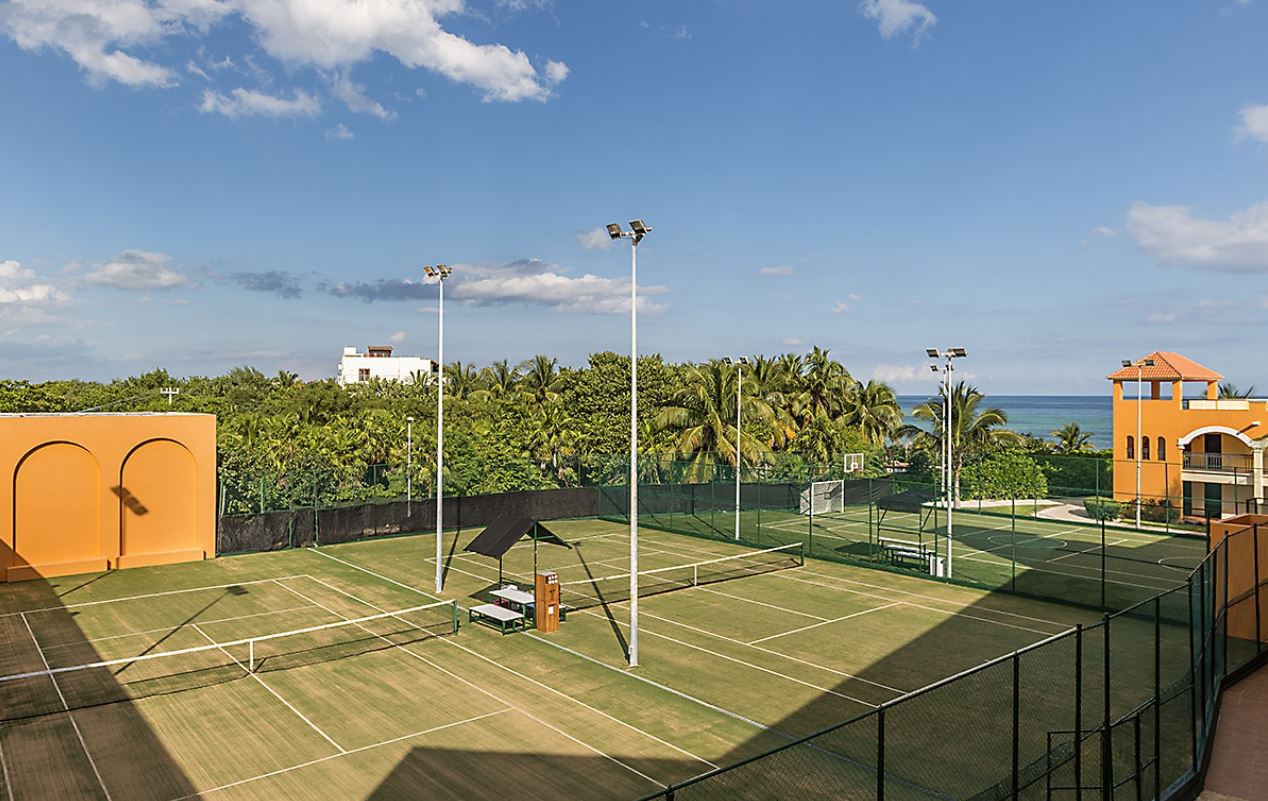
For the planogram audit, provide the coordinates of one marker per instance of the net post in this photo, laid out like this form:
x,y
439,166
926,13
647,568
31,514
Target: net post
x,y
251,656
453,613
880,753
1016,724
1107,734
695,575
1078,712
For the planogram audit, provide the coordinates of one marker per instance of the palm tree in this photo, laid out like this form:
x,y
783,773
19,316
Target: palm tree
x,y
541,378
554,436
825,384
500,378
702,415
772,384
874,410
1229,390
1071,438
462,381
973,428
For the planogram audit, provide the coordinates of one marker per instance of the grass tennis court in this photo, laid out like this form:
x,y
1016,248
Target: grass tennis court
x,y
398,706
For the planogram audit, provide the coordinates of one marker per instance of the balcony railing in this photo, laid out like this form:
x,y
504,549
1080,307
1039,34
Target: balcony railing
x,y
1220,462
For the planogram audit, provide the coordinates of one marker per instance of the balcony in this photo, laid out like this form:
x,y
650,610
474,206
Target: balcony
x,y
1219,462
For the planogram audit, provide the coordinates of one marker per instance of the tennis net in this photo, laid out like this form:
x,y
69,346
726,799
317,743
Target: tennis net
x,y
600,590
56,688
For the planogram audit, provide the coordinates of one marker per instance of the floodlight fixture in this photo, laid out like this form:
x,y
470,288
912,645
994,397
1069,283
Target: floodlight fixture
x,y
614,230
959,353
933,368
1149,362
1127,362
640,227
932,353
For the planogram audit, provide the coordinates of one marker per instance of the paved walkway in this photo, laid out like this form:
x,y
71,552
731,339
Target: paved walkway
x,y
1239,763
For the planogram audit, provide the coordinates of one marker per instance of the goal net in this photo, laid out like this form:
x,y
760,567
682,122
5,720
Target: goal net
x,y
823,497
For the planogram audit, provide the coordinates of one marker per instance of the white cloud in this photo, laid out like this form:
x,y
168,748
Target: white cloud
x,y
793,342
597,239
138,269
1254,124
899,373
556,72
20,289
1172,234
855,297
840,307
354,97
194,69
536,282
1161,318
896,17
339,133
779,269
104,37
1105,232
251,103
397,338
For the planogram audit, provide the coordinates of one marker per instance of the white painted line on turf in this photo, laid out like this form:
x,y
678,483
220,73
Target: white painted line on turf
x,y
544,686
170,628
898,691
465,681
1085,550
372,573
826,622
762,603
8,782
273,692
349,752
82,604
702,649
66,707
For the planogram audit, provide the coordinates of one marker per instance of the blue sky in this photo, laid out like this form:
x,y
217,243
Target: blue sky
x,y
198,184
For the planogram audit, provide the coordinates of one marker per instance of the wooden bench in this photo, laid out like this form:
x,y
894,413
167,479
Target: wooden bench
x,y
498,617
900,550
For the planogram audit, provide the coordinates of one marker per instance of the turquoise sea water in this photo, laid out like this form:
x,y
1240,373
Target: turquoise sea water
x,y
1042,414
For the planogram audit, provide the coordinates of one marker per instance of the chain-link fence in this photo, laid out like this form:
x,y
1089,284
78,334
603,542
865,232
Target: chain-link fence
x,y
1122,708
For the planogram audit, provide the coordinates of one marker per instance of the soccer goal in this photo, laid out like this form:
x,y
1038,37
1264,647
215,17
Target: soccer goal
x,y
823,497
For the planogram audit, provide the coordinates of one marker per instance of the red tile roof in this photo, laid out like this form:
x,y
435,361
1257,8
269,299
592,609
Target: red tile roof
x,y
1168,366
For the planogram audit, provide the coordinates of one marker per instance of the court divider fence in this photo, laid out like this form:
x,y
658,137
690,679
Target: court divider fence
x,y
1123,708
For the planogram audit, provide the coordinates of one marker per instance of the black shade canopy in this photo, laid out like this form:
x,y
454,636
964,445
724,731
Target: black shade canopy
x,y
501,535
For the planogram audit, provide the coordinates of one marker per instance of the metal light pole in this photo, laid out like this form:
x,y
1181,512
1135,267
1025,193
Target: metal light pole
x,y
1140,404
440,272
637,231
739,393
409,466
947,421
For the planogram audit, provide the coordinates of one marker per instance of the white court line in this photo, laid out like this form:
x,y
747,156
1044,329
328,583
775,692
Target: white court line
x,y
703,588
826,622
457,677
1085,550
702,649
8,782
772,652
65,706
547,687
329,757
948,612
930,598
142,597
273,692
171,628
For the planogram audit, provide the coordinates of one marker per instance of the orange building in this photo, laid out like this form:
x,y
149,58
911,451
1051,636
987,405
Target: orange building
x,y
1203,453
90,492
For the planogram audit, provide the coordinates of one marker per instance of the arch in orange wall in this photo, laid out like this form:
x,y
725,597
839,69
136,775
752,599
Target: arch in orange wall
x,y
57,509
158,496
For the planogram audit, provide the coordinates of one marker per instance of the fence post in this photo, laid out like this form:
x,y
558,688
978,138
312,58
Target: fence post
x,y
1157,696
880,753
1016,724
1103,606
1078,712
1136,766
1259,631
1013,519
1193,676
1224,614
1107,734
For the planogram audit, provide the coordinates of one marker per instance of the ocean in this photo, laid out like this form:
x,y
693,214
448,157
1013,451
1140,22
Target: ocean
x,y
1040,415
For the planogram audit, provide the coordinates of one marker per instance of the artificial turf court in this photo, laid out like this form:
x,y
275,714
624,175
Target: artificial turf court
x,y
399,708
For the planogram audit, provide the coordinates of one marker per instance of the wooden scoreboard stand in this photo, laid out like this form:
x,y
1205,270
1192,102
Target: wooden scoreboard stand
x,y
546,605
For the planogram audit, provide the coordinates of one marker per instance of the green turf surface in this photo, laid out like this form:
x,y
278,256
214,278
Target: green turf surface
x,y
385,710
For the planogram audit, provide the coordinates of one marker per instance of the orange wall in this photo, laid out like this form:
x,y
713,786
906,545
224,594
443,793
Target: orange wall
x,y
90,492
1168,418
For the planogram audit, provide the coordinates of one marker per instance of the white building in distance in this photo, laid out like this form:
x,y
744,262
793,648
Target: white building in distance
x,y
379,363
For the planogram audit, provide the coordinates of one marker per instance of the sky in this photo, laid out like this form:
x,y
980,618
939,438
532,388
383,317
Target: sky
x,y
202,184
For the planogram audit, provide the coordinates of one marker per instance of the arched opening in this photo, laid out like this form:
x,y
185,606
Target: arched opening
x,y
1131,447
57,511
158,496
1162,449
1144,448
